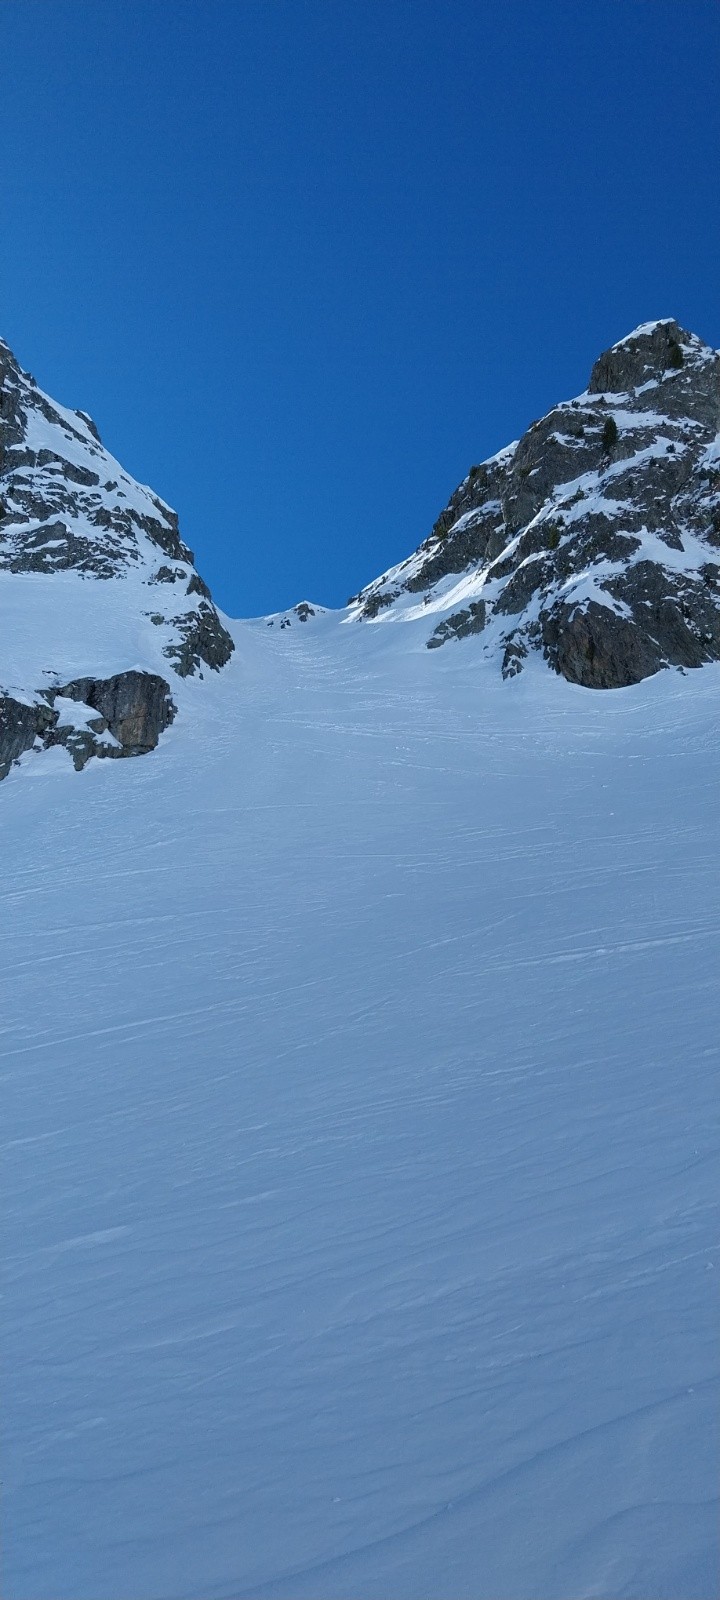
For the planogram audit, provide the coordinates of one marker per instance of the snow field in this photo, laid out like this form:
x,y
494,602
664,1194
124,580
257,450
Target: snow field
x,y
359,1053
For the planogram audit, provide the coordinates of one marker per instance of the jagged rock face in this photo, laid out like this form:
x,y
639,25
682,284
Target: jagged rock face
x,y
134,706
595,538
21,723
119,716
71,515
66,504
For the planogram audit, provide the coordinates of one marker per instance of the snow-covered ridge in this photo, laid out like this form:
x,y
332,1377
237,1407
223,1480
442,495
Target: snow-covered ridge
x,y
595,538
95,580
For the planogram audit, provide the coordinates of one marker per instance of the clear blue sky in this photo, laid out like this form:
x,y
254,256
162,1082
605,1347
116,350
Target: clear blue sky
x,y
306,261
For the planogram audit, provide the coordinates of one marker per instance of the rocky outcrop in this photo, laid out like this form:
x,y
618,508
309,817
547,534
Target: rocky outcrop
x,y
65,502
119,716
199,638
21,723
302,612
646,354
135,707
127,589
66,505
459,626
662,619
593,539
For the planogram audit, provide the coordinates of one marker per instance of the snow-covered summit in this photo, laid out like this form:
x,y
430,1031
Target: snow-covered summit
x,y
595,538
642,329
96,587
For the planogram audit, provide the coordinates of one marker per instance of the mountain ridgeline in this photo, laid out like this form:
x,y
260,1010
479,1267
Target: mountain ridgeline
x,y
595,538
593,542
92,569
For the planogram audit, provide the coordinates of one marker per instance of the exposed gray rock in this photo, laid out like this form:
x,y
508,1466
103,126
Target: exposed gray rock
x,y
642,357
469,531
377,602
595,531
167,575
21,724
89,424
67,506
134,706
460,625
201,639
197,585
132,709
513,655
596,647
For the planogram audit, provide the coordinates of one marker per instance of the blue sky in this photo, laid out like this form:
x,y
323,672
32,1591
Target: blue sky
x,y
306,261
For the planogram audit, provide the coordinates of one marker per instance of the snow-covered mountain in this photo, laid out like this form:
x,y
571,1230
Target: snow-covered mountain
x,y
100,603
359,1054
595,538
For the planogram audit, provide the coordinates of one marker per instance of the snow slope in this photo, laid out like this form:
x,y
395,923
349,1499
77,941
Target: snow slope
x,y
359,1050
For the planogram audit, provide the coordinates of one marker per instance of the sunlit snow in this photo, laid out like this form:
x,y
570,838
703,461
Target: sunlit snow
x,y
359,1054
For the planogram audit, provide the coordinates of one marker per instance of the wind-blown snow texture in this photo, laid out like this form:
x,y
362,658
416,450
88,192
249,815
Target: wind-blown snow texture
x,y
359,1053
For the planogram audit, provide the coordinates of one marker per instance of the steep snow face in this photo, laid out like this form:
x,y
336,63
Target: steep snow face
x,y
594,539
95,580
361,1151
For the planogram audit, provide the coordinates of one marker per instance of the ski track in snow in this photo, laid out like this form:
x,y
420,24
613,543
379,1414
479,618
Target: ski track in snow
x,y
359,1053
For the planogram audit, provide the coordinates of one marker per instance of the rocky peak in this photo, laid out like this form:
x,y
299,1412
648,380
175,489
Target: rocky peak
x,y
595,538
97,587
644,357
